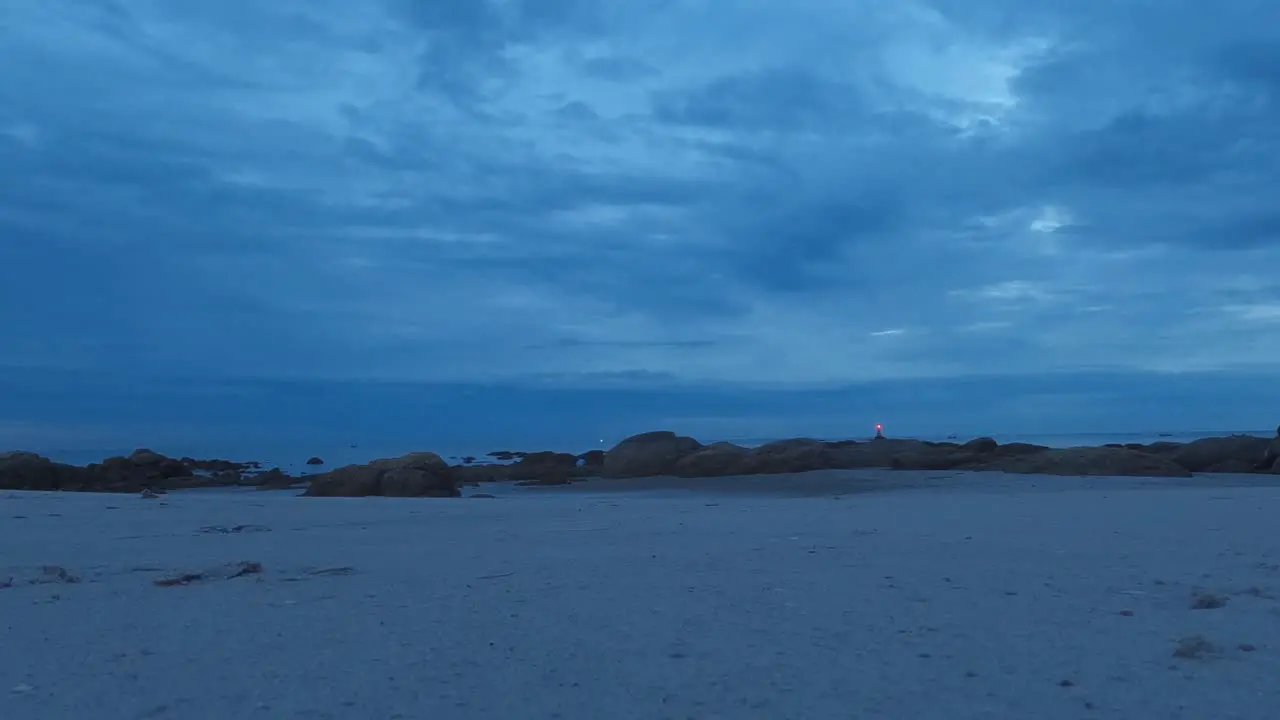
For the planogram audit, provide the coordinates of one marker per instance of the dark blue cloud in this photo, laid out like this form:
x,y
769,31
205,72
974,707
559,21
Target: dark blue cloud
x,y
543,191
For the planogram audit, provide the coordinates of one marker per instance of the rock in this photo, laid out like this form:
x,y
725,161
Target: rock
x,y
937,458
540,465
592,458
789,456
1210,454
315,461
29,471
1271,456
476,474
1088,461
981,445
715,460
648,454
421,474
141,469
1018,449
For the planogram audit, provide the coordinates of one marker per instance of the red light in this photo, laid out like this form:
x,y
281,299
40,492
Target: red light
x,y
879,426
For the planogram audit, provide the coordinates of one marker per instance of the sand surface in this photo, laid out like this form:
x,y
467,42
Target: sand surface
x,y
826,596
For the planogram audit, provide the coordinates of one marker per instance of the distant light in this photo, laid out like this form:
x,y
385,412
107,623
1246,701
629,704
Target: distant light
x,y
879,427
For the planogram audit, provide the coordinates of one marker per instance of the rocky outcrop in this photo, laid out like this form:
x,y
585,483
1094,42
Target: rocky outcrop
x,y
791,456
718,459
1087,461
592,459
315,461
648,454
140,470
421,474
1236,453
29,471
546,467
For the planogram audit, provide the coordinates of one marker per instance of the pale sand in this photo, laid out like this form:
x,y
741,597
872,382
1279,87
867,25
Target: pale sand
x,y
970,596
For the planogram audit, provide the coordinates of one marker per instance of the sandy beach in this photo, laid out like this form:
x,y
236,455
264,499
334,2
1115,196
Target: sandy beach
x,y
841,594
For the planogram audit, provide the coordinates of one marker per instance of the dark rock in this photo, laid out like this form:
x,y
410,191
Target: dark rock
x,y
467,460
421,474
1207,454
1088,461
592,458
29,471
648,454
789,456
540,465
932,458
1018,449
315,461
981,445
476,474
715,460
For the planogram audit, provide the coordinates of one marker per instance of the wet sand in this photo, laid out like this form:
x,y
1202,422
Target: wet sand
x,y
869,594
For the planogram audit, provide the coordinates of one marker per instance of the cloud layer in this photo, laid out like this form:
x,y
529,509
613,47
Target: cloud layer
x,y
782,194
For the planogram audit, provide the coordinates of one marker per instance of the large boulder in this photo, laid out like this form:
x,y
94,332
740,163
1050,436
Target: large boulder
x,y
1086,461
143,469
592,459
714,460
1217,454
140,470
421,474
1271,456
648,455
28,471
794,455
545,466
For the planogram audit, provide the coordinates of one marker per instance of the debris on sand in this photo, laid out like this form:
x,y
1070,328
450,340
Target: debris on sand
x,y
1194,647
233,529
1208,601
229,571
55,574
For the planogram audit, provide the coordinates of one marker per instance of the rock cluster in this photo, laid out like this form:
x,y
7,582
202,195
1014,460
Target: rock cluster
x,y
652,454
141,470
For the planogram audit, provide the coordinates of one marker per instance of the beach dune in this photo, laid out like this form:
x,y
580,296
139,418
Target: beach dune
x,y
844,594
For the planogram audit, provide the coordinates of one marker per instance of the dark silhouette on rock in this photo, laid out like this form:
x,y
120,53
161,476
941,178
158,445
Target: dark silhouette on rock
x,y
422,474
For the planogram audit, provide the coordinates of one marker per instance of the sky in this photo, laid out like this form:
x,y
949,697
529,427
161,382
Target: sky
x,y
519,221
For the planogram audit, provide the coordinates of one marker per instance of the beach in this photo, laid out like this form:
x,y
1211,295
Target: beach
x,y
835,594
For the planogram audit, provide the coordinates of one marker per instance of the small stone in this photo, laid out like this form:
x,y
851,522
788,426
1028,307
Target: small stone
x,y
1127,613
1247,647
1065,683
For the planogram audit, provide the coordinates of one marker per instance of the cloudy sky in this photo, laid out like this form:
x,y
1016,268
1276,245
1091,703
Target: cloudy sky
x,y
719,210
